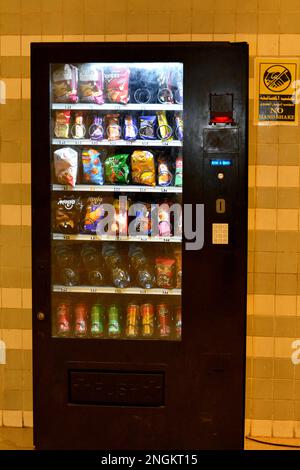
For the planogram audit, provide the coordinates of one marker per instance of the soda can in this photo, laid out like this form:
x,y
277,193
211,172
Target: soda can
x,y
132,320
81,315
114,321
178,323
163,320
147,316
97,320
63,319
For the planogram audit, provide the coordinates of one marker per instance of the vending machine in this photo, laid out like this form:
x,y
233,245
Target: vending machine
x,y
139,236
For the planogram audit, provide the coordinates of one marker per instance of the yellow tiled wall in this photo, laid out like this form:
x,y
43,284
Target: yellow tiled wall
x,y
271,27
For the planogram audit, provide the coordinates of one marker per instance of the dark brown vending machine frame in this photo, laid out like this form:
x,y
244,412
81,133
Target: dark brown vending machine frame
x,y
195,387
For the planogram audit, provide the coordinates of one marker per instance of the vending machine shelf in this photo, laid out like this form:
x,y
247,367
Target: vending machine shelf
x,y
95,237
119,143
118,189
119,107
114,290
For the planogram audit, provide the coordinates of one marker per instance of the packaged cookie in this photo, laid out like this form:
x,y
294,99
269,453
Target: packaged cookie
x,y
91,84
67,214
92,169
64,84
143,168
66,165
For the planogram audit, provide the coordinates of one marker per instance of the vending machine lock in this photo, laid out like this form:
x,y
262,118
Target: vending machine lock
x,y
221,108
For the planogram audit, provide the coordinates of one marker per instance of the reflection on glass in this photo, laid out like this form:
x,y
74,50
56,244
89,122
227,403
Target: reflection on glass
x,y
116,162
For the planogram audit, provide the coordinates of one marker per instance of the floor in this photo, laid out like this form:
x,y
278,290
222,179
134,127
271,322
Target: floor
x,y
21,439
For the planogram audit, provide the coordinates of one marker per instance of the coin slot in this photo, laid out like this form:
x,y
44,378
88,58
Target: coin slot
x,y
220,206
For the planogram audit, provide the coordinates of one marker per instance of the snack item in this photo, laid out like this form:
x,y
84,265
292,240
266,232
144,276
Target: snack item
x,y
164,174
177,82
68,214
165,94
179,126
65,165
117,84
62,124
132,320
92,167
63,319
96,129
178,171
164,224
92,265
113,129
164,131
78,129
91,84
118,274
94,213
114,321
117,169
141,224
143,168
67,264
147,318
139,263
120,224
64,84
178,258
163,320
178,323
130,128
164,268
147,127
81,316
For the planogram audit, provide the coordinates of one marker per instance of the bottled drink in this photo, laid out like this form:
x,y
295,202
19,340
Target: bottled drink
x,y
114,321
63,319
67,264
97,320
118,274
163,320
132,320
81,314
92,264
147,318
144,277
178,323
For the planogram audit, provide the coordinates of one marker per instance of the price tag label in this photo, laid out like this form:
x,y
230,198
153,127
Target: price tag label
x,y
166,239
165,292
68,106
78,142
144,291
63,289
92,188
117,189
118,291
66,237
93,290
143,190
165,142
164,190
93,237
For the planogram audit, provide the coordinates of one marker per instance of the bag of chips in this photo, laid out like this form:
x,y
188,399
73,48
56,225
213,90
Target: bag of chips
x,y
117,169
91,84
143,168
164,270
178,171
163,173
117,85
164,131
68,211
147,128
92,166
62,124
130,128
94,212
64,84
66,165
113,129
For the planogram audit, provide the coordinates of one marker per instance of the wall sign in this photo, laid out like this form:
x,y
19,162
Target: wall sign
x,y
276,91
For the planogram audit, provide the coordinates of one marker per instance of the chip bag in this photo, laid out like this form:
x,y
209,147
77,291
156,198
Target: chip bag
x,y
66,165
92,166
62,124
117,85
91,84
164,270
117,169
143,168
94,212
67,217
64,84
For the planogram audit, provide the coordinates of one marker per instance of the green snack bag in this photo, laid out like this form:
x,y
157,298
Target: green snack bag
x,y
117,169
178,172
